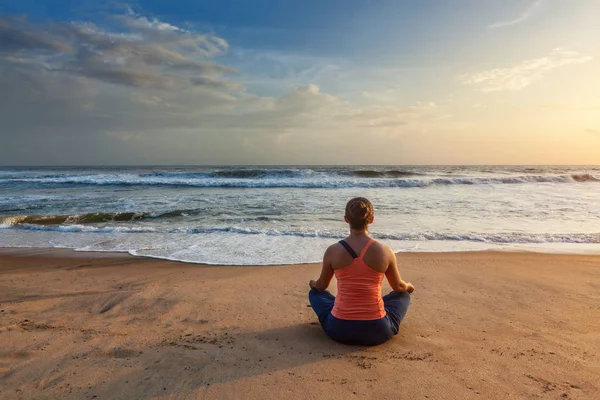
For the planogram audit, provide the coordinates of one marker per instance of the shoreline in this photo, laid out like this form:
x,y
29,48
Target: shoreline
x,y
490,325
70,252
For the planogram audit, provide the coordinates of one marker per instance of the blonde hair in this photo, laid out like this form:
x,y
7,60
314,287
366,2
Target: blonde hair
x,y
359,212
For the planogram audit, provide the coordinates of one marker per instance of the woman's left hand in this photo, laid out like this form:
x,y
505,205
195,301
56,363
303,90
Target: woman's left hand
x,y
312,283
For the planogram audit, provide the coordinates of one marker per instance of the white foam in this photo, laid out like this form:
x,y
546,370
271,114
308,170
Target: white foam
x,y
242,249
492,238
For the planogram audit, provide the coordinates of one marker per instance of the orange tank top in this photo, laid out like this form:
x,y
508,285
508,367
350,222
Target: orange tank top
x,y
359,291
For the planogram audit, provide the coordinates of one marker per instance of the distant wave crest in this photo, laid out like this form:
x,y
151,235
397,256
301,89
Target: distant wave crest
x,y
238,179
368,173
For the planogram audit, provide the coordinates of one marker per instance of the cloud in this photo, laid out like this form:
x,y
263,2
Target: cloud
x,y
593,131
143,53
213,83
522,75
14,37
163,33
148,92
530,11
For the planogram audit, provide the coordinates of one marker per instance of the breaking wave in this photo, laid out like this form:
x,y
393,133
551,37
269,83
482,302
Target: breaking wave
x,y
494,238
88,218
359,179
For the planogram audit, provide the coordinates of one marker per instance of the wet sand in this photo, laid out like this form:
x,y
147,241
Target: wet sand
x,y
482,325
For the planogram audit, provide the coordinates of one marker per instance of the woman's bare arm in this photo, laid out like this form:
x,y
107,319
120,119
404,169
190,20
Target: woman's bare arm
x,y
326,273
393,275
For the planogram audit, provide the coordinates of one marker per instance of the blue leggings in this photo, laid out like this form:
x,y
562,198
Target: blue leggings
x,y
365,333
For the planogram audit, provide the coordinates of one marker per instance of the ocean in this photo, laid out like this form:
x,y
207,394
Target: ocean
x,y
249,215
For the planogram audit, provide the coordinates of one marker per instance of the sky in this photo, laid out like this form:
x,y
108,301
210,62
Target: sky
x,y
299,82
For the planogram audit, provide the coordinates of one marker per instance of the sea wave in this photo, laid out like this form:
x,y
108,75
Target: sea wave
x,y
494,238
298,182
226,173
233,174
369,173
88,218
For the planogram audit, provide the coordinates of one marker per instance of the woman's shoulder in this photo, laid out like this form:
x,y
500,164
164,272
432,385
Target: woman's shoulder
x,y
379,248
377,256
334,250
334,247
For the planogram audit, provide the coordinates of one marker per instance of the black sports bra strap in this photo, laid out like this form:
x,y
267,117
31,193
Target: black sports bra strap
x,y
348,248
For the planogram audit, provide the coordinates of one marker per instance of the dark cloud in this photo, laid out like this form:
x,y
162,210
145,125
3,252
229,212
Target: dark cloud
x,y
98,65
213,83
15,36
143,53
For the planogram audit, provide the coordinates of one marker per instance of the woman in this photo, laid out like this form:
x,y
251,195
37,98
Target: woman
x,y
359,315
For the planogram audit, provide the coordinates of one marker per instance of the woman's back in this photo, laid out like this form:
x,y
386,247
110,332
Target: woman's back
x,y
359,285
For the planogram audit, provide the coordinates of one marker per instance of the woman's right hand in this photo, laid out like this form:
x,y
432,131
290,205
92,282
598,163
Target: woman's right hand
x,y
410,288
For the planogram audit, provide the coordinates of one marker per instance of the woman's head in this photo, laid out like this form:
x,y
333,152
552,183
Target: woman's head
x,y
359,213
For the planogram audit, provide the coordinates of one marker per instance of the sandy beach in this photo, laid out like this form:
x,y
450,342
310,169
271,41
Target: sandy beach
x,y
485,325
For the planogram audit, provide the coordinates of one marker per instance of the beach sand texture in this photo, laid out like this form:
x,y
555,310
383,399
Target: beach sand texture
x,y
482,325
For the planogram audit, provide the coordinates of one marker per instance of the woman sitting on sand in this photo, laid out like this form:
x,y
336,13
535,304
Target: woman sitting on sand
x,y
359,315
